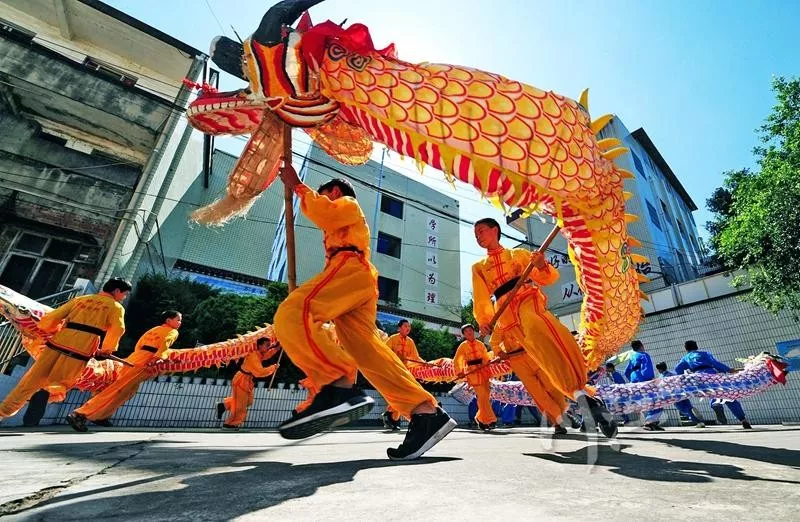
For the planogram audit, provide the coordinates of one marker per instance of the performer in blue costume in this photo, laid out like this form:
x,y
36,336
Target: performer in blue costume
x,y
640,369
698,361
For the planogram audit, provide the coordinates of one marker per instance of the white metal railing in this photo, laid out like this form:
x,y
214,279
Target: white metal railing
x,y
11,339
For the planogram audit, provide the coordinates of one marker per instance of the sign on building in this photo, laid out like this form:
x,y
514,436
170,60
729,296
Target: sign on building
x,y
570,292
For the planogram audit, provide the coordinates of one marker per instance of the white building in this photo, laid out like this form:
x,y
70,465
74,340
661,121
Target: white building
x,y
415,234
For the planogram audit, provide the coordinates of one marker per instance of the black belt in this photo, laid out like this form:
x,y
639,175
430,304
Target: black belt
x,y
505,288
63,351
333,251
473,362
151,349
87,329
247,373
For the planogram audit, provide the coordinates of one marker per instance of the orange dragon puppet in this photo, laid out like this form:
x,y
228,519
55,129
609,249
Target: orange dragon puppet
x,y
518,145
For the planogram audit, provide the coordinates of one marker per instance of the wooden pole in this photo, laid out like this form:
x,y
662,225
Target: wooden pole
x,y
288,202
502,308
288,197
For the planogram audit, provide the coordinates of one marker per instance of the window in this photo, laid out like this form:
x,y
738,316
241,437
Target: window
x,y
16,32
112,73
391,206
388,289
681,229
37,265
389,245
653,215
638,164
665,209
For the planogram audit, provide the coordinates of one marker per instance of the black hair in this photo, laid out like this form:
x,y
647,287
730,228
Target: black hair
x,y
263,340
662,366
343,185
610,365
637,345
169,314
117,283
491,223
401,322
467,326
690,346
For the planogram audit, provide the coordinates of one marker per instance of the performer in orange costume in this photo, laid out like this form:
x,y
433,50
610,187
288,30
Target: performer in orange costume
x,y
153,345
404,347
242,386
85,326
528,324
346,293
470,356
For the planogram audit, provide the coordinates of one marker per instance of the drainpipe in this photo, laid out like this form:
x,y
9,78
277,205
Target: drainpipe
x,y
123,232
378,201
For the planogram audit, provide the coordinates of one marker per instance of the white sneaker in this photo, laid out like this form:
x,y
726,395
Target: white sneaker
x,y
700,425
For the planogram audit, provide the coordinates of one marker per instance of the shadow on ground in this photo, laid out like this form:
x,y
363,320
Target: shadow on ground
x,y
644,467
221,484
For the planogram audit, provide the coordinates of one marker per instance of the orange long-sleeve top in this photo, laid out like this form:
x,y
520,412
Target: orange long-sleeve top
x,y
499,267
252,365
159,338
98,311
405,348
470,355
342,221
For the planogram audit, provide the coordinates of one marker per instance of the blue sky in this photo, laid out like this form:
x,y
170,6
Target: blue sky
x,y
695,75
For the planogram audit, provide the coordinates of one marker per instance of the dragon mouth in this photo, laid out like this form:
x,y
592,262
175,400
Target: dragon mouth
x,y
232,112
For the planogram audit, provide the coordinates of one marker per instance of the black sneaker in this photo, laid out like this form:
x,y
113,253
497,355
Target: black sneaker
x,y
596,414
230,427
425,430
220,410
389,423
746,425
559,430
331,408
78,422
106,423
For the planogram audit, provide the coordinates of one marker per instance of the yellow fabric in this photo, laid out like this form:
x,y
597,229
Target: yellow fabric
x,y
548,399
51,369
526,322
485,412
243,388
99,310
160,337
107,401
342,222
470,351
498,268
405,348
345,292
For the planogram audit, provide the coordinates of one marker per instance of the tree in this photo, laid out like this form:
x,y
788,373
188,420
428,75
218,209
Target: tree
x,y
432,344
467,315
757,214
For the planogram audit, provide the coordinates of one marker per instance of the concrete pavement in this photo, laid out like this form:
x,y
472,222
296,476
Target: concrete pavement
x,y
720,473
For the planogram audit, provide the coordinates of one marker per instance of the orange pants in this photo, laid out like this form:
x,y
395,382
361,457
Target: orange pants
x,y
105,403
550,402
51,369
485,413
548,342
242,394
345,292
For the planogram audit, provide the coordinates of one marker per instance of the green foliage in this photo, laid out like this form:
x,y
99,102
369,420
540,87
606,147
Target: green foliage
x,y
432,344
467,315
757,214
155,294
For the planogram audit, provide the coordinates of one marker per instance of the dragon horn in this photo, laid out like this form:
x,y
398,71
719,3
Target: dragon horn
x,y
285,12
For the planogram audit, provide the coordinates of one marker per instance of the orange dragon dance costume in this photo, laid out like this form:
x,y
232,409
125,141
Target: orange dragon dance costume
x,y
153,345
242,386
406,349
344,292
470,356
556,367
88,324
